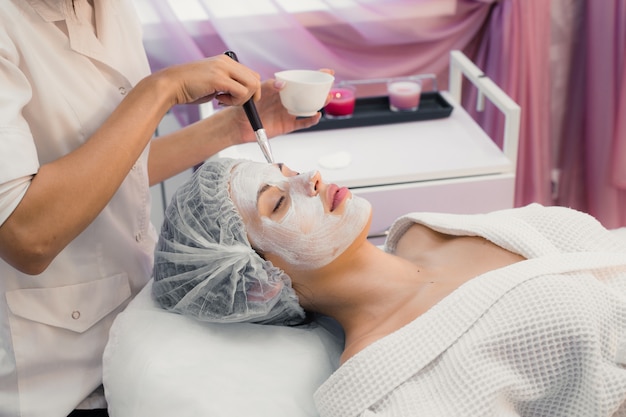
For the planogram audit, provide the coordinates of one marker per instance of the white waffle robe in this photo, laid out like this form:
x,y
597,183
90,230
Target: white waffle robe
x,y
542,337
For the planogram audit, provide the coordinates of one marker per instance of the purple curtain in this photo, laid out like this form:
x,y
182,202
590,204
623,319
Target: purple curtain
x,y
508,39
360,39
593,151
515,53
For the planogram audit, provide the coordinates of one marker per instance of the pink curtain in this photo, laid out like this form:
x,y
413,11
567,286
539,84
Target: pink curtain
x,y
515,53
360,39
593,151
508,39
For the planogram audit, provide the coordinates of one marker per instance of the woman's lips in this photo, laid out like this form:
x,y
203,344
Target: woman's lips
x,y
338,195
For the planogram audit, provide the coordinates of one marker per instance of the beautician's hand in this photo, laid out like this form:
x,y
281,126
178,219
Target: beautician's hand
x,y
275,118
219,77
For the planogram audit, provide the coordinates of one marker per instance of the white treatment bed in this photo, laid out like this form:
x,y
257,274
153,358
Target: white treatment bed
x,y
161,364
158,363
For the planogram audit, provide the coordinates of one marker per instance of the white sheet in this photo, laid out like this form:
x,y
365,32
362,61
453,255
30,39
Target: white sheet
x,y
162,364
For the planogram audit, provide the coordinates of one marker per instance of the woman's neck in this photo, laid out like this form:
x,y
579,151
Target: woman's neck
x,y
373,293
370,293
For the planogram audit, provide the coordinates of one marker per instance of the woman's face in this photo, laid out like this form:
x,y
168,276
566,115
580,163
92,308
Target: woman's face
x,y
296,217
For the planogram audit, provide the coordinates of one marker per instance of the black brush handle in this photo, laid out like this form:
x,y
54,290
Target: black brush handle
x,y
248,106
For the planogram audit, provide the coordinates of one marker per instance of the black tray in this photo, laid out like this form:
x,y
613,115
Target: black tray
x,y
369,111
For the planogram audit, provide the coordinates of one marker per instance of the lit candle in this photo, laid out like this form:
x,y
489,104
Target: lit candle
x,y
342,102
404,95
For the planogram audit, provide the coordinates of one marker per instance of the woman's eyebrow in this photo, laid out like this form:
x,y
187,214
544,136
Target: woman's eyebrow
x,y
265,187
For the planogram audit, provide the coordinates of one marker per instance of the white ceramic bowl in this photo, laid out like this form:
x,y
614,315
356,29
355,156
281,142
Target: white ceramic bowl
x,y
305,91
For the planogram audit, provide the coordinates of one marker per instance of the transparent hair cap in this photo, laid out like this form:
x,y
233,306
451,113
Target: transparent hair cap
x,y
204,265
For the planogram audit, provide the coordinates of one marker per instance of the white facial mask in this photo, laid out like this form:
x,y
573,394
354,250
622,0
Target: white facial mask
x,y
306,237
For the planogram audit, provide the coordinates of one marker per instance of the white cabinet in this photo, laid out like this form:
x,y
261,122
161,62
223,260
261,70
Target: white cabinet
x,y
448,164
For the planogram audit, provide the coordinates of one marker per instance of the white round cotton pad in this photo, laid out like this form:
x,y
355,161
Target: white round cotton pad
x,y
335,160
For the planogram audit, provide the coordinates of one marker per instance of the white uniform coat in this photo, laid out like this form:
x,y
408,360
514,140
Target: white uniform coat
x,y
58,83
542,337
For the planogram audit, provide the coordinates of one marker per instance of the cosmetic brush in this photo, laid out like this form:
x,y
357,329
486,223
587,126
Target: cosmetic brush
x,y
255,122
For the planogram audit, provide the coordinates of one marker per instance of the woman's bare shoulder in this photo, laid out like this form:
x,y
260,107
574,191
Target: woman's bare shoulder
x,y
419,238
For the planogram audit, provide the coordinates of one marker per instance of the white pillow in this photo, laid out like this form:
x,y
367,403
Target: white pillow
x,y
158,363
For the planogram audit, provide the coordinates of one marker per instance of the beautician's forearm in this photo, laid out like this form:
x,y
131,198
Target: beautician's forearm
x,y
173,153
66,195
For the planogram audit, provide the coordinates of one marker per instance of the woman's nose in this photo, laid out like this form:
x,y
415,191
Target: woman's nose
x,y
315,181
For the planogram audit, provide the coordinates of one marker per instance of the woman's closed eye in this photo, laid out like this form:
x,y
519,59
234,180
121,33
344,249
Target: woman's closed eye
x,y
279,204
273,202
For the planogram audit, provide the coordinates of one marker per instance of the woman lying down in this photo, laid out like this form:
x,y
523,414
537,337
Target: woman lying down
x,y
519,312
